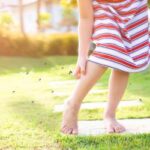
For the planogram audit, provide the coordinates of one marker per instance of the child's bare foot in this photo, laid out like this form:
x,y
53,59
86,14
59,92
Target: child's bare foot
x,y
112,125
69,123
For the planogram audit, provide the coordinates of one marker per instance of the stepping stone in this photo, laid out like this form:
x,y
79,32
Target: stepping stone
x,y
91,92
134,126
55,83
95,105
66,82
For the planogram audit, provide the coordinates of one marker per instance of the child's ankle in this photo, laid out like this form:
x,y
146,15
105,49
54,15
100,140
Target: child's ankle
x,y
72,104
108,115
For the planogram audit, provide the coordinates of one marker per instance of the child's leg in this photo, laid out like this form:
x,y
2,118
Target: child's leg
x,y
84,84
117,85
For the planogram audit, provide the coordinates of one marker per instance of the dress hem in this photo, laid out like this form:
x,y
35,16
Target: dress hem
x,y
129,70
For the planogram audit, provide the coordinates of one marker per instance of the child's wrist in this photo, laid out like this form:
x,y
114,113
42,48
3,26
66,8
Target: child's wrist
x,y
82,55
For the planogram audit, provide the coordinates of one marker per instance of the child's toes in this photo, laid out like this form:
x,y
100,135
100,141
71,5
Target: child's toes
x,y
65,130
68,130
119,129
62,129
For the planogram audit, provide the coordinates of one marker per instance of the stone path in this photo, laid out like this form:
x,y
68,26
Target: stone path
x,y
133,126
57,93
65,82
95,105
62,82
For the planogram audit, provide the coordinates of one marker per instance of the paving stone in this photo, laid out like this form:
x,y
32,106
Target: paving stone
x,y
65,82
133,126
95,105
57,93
62,82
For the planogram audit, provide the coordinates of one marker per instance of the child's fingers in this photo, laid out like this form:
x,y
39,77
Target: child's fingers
x,y
80,69
83,68
76,72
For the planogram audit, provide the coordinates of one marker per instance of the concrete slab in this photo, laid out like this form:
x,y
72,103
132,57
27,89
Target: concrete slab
x,y
57,93
65,82
95,105
134,126
62,82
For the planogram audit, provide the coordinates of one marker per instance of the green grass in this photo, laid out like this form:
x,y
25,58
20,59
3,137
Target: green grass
x,y
106,142
27,120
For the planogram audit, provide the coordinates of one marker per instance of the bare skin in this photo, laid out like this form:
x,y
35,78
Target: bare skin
x,y
117,85
87,74
84,84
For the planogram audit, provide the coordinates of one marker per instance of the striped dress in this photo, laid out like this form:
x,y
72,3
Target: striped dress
x,y
121,35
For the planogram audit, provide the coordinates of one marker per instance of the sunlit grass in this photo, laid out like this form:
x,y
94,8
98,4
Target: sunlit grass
x,y
27,100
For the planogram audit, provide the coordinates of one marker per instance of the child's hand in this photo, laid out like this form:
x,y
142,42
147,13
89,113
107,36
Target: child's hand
x,y
80,68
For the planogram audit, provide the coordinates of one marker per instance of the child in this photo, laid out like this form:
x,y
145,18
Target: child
x,y
120,31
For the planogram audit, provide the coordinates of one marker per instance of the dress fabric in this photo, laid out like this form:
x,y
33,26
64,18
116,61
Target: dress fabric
x,y
121,34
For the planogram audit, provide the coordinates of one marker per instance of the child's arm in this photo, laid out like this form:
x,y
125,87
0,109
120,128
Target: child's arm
x,y
84,26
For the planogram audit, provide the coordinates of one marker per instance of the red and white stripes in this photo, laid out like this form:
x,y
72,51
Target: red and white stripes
x,y
120,32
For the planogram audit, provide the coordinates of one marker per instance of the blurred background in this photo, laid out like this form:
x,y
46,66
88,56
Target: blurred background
x,y
25,22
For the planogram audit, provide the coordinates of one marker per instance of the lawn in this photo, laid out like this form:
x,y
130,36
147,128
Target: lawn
x,y
27,120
